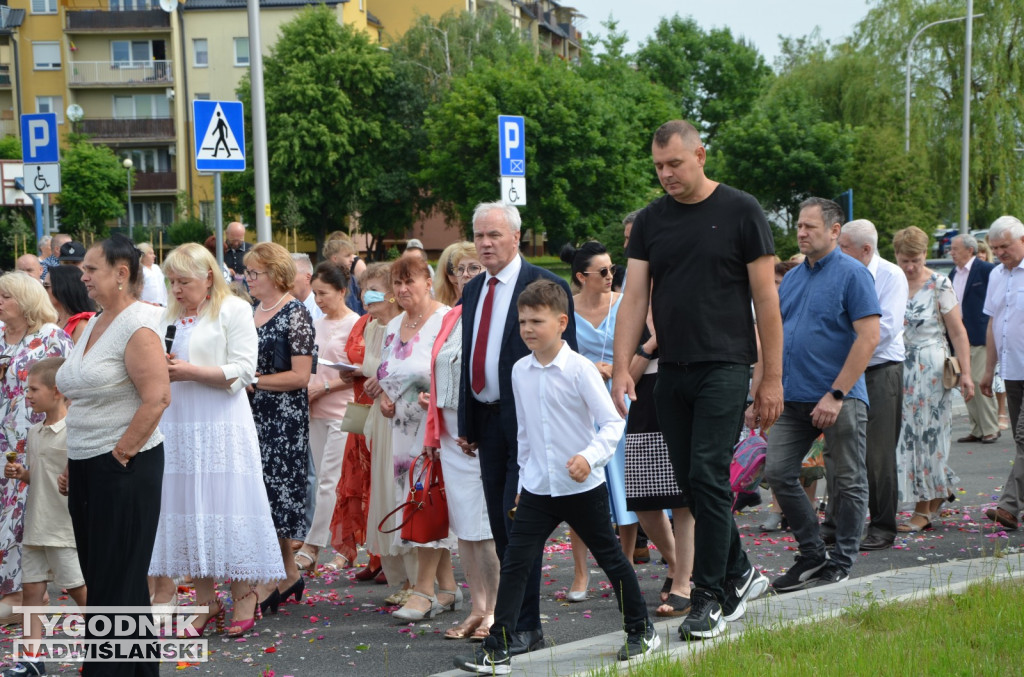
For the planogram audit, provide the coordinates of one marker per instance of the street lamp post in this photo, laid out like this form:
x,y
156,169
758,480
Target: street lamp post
x,y
910,48
131,215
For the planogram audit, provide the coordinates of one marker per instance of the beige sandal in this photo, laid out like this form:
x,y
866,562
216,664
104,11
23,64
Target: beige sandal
x,y
305,560
909,527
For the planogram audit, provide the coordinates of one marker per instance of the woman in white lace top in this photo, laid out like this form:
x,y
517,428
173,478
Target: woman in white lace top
x,y
116,379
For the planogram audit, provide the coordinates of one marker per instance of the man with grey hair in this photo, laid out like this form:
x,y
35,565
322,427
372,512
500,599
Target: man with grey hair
x,y
44,247
53,260
29,263
970,284
1005,344
491,345
301,287
884,380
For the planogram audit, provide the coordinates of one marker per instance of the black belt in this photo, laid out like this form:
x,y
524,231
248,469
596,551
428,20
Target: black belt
x,y
493,407
890,363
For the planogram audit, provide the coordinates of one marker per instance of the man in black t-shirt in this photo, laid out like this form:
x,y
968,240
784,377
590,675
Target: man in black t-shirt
x,y
705,251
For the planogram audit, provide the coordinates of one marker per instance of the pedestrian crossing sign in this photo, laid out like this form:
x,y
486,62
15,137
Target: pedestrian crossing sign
x,y
220,136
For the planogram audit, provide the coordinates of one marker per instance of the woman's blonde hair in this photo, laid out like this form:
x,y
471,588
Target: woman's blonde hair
x,y
339,246
376,271
31,298
444,290
144,247
278,262
910,241
194,261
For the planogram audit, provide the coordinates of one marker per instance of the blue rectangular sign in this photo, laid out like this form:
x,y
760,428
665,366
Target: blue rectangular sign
x,y
219,130
512,145
40,143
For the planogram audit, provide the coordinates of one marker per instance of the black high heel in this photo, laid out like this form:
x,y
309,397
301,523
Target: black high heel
x,y
296,590
272,601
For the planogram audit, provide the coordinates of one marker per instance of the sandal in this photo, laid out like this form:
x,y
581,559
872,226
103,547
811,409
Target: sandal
x,y
679,606
464,629
305,560
909,527
666,589
483,631
337,564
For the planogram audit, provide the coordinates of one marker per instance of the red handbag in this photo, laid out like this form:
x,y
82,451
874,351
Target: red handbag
x,y
425,513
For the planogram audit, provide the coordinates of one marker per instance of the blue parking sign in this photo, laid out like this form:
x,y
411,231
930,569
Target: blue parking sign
x,y
40,143
512,145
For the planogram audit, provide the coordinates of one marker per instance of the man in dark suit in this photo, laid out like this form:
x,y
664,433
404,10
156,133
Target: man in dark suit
x,y
970,282
487,410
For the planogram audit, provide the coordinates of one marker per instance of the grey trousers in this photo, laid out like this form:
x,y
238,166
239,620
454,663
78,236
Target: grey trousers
x,y
1013,489
845,472
982,411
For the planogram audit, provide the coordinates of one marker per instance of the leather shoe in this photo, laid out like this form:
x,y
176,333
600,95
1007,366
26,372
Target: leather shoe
x,y
990,439
875,542
968,439
526,641
1004,517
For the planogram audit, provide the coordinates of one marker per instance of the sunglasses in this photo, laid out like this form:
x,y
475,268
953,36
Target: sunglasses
x,y
604,272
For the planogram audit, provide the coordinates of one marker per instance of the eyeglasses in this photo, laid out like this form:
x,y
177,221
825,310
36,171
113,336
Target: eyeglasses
x,y
604,272
472,269
253,274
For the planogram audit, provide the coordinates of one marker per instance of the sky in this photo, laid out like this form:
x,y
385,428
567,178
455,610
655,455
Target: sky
x,y
759,21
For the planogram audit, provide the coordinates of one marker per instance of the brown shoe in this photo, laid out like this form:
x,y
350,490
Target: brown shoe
x,y
641,555
968,439
1003,517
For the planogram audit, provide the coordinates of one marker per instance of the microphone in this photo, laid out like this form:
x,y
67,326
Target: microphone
x,y
169,337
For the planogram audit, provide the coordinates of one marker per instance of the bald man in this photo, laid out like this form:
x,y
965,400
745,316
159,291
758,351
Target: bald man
x,y
236,249
29,263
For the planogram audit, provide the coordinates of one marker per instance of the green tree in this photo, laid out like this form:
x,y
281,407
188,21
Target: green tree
x,y
323,82
715,77
10,148
93,186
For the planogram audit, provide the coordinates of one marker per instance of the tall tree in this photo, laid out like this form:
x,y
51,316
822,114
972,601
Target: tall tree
x,y
323,83
715,77
93,187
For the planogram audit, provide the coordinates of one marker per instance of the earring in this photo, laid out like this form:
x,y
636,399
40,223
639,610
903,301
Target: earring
x,y
207,297
120,287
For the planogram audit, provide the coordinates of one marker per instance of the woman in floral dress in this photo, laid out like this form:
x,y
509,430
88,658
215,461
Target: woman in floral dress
x,y
29,335
923,452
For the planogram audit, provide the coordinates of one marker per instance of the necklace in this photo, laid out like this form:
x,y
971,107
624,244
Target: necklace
x,y
413,325
267,310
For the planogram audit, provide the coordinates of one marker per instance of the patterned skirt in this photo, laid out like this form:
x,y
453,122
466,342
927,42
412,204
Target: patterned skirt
x,y
650,480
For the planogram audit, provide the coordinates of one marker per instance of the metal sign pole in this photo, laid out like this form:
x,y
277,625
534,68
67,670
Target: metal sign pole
x,y
218,227
259,125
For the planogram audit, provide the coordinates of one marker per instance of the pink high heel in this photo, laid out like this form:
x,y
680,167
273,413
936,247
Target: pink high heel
x,y
239,628
192,631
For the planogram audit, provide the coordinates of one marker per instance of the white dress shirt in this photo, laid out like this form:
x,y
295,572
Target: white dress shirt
x,y
960,279
563,409
1004,303
503,291
892,290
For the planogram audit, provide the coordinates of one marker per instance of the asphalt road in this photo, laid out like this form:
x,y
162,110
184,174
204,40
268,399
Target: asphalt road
x,y
342,628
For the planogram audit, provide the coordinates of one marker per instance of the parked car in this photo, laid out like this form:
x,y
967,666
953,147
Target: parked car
x,y
980,235
942,237
944,266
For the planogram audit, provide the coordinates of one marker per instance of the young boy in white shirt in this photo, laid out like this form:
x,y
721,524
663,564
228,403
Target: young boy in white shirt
x,y
560,400
48,550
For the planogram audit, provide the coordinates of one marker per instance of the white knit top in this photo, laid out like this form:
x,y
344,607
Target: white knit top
x,y
103,398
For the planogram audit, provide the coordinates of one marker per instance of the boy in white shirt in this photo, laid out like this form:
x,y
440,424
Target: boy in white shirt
x,y
560,400
49,541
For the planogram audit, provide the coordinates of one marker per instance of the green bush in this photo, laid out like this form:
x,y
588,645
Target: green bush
x,y
187,230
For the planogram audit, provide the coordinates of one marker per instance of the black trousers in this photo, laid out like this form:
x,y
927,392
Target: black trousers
x,y
499,469
536,517
114,512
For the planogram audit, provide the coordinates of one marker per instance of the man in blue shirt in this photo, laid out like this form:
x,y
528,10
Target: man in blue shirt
x,y
830,321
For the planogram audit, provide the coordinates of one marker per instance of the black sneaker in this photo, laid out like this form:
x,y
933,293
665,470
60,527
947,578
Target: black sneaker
x,y
26,669
800,575
486,661
705,619
750,585
831,573
639,644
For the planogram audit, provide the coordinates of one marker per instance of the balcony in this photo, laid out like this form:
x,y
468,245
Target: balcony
x,y
101,21
5,76
155,181
146,129
120,73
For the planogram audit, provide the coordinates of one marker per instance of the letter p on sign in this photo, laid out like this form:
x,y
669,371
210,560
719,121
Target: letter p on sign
x,y
512,145
38,136
511,138
39,142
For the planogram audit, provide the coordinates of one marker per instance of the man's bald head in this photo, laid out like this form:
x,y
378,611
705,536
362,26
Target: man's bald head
x,y
29,263
234,234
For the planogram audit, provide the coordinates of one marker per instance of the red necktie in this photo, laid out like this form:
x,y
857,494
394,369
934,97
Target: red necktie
x,y
480,348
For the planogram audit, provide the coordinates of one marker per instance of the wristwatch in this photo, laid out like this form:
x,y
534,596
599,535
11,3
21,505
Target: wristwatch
x,y
255,380
838,394
327,386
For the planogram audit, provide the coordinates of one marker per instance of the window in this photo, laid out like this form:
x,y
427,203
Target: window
x,y
206,213
204,96
51,104
138,106
44,6
200,53
133,5
153,214
130,53
46,56
151,159
241,51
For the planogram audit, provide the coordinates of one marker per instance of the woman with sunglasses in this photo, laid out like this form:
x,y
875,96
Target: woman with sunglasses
x,y
596,308
28,335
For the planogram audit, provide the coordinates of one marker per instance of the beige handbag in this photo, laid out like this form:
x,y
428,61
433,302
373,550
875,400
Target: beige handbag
x,y
355,418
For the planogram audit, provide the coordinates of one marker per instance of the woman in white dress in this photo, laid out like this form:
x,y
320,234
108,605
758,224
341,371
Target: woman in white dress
x,y
154,289
215,520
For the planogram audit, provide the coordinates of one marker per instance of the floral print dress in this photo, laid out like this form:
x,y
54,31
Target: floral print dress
x,y
404,373
282,421
923,451
15,419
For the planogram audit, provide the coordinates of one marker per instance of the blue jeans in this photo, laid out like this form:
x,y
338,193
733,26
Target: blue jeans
x,y
845,468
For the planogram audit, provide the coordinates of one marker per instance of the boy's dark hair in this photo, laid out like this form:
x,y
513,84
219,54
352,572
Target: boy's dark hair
x,y
46,370
544,293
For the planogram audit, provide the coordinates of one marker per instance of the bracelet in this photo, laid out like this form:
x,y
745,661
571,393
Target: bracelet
x,y
646,355
119,452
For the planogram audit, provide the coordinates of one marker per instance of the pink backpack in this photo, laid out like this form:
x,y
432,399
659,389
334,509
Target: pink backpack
x,y
747,466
